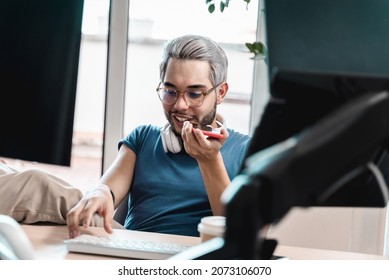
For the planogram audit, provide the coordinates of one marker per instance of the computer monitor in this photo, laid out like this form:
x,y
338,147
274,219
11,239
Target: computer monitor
x,y
328,66
321,54
324,134
39,57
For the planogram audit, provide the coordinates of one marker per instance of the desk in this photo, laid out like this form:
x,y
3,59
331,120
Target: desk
x,y
47,240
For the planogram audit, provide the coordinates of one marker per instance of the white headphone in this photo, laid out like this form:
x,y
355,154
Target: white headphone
x,y
173,143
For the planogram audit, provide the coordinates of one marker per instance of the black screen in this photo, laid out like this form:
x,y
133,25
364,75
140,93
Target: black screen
x,y
342,37
39,54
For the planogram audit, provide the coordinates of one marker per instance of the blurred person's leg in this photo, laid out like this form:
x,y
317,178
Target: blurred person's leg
x,y
35,196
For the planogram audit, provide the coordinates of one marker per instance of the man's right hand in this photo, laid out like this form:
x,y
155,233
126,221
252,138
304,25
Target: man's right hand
x,y
97,200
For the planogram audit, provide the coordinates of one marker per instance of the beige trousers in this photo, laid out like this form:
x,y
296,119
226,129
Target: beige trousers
x,y
34,195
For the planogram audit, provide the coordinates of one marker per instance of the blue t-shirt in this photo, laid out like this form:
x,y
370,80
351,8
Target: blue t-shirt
x,y
168,193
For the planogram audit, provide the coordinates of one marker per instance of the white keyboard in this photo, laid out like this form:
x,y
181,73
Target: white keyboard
x,y
113,246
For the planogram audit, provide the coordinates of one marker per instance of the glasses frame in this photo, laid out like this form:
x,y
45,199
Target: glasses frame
x,y
182,92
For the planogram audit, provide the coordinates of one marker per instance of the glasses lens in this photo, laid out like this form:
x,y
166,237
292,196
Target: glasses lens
x,y
167,96
194,99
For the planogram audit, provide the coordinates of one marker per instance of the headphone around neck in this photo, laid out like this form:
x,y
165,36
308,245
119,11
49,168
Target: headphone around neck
x,y
173,143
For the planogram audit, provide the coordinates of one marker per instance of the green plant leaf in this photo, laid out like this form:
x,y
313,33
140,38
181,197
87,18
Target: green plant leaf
x,y
258,49
222,6
211,8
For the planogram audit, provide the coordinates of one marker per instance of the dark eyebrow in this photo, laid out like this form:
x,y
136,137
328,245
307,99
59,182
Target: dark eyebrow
x,y
167,84
195,86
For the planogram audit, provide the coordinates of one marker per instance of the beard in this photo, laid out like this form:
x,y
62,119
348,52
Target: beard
x,y
206,120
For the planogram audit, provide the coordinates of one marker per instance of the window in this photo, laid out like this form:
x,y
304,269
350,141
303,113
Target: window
x,y
150,24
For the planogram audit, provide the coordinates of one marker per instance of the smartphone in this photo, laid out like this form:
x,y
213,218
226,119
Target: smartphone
x,y
212,134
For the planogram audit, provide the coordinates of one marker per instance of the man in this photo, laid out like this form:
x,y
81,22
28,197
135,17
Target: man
x,y
175,175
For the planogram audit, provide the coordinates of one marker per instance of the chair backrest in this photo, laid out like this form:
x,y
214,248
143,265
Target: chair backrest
x,y
121,211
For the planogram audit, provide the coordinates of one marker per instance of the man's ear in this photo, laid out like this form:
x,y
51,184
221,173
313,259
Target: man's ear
x,y
222,92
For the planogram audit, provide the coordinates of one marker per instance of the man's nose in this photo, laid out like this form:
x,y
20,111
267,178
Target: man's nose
x,y
181,101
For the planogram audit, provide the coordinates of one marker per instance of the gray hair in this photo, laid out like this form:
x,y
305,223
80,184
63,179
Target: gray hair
x,y
195,47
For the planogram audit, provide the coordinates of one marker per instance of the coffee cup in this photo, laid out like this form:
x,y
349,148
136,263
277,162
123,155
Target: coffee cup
x,y
211,227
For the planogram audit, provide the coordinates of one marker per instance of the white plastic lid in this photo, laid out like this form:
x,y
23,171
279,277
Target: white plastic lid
x,y
212,225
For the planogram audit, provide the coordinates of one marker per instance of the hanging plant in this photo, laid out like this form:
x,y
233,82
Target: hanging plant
x,y
223,4
258,49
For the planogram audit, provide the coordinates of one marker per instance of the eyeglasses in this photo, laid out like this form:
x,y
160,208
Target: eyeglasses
x,y
193,98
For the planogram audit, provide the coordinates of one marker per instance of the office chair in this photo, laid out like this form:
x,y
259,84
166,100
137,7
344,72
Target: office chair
x,y
121,211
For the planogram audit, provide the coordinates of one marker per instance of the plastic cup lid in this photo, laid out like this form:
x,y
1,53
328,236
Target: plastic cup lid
x,y
213,225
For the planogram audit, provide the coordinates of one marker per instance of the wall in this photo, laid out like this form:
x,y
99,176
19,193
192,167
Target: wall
x,y
344,229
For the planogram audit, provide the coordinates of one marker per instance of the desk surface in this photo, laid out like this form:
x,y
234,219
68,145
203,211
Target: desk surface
x,y
47,240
